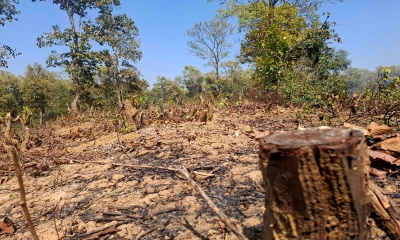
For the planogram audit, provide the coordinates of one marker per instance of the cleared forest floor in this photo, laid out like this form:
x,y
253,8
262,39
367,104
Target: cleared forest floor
x,y
75,187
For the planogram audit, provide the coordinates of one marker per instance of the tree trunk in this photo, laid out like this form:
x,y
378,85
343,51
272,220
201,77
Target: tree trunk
x,y
119,95
316,184
217,69
75,106
40,116
118,83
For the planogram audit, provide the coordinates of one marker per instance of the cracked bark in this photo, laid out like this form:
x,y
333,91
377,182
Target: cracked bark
x,y
316,184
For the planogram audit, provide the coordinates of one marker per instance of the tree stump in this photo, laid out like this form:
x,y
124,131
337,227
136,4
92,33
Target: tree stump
x,y
316,184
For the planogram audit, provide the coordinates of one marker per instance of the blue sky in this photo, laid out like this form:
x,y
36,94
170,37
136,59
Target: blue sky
x,y
370,30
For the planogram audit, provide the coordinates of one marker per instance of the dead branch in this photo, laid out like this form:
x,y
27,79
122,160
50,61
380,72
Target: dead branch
x,y
109,230
25,121
385,212
11,149
212,205
102,229
136,216
9,140
152,230
145,166
55,218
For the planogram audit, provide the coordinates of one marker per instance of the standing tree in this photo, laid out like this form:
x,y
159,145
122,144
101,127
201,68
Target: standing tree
x,y
78,61
10,96
165,90
210,41
120,33
36,88
193,80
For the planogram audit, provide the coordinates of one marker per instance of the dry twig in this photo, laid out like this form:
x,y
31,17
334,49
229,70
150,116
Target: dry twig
x,y
151,230
103,229
22,191
55,218
212,205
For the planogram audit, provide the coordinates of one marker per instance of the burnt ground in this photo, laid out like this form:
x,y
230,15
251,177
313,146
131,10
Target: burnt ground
x,y
74,186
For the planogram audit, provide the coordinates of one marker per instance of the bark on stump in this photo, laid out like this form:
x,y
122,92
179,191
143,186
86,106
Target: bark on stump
x,y
316,184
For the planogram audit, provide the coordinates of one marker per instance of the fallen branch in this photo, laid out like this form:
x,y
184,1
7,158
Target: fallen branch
x,y
212,205
102,229
55,218
145,166
385,212
151,230
110,219
109,230
136,216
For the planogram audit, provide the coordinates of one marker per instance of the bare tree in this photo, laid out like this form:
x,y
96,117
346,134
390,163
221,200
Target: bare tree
x,y
210,41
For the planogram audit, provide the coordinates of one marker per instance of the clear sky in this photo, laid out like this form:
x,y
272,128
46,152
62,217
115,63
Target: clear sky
x,y
370,30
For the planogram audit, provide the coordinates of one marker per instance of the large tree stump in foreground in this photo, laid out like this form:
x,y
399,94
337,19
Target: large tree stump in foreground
x,y
316,184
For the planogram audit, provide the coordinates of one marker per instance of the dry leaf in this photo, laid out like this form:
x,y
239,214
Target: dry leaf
x,y
247,129
374,129
380,156
392,144
372,125
143,152
7,226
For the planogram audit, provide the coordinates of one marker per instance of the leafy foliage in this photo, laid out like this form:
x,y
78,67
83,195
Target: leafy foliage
x,y
120,33
36,87
384,96
358,79
193,80
10,100
7,13
80,62
166,91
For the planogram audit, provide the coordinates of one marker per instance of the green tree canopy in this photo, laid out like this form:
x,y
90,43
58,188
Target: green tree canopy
x,y
193,80
359,78
36,87
7,14
165,90
120,34
10,96
79,61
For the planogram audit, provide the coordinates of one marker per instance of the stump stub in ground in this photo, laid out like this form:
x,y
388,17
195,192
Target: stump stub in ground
x,y
316,184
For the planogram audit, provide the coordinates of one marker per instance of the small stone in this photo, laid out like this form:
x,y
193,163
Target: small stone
x,y
81,227
117,177
247,129
213,232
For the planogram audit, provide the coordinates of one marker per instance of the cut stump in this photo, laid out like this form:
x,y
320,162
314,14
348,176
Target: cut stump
x,y
316,184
